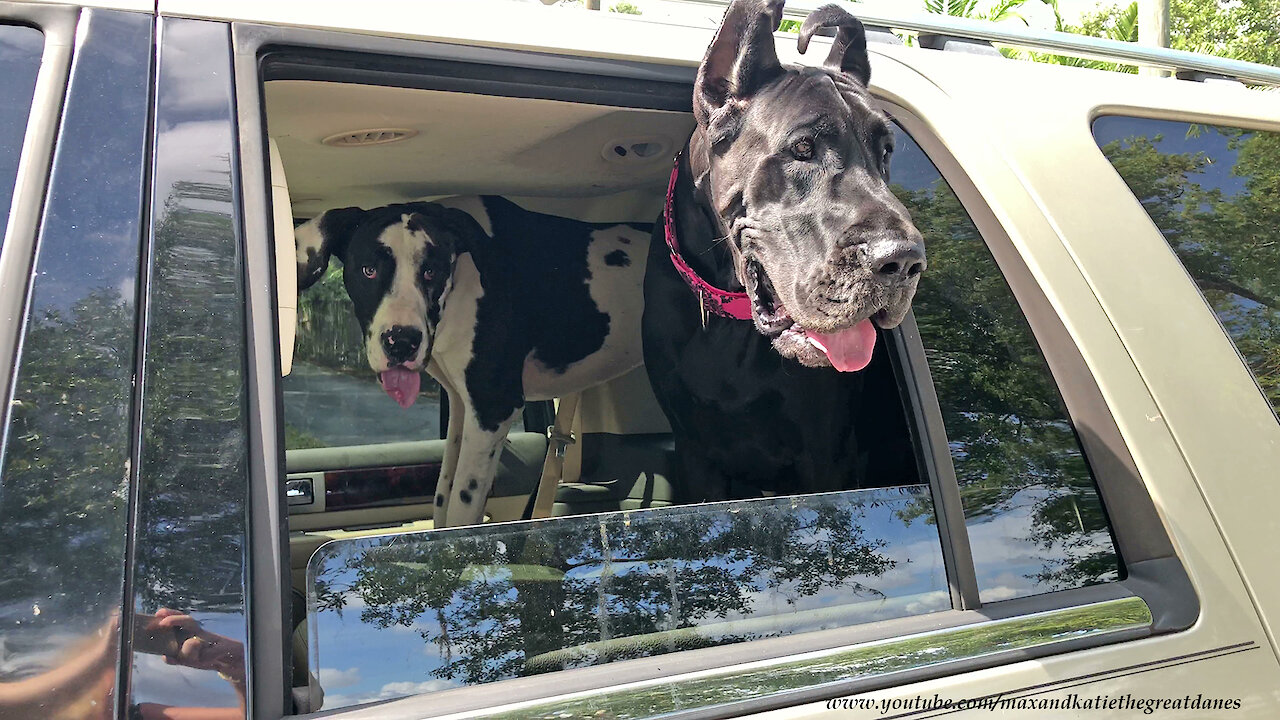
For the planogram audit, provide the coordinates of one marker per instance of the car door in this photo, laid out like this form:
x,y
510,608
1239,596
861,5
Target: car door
x,y
78,82
1032,535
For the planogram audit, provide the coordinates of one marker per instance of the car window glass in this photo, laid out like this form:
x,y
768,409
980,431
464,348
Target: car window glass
x,y
20,49
1034,516
420,612
1214,193
64,484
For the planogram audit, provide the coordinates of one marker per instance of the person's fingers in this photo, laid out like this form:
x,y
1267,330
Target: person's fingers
x,y
182,622
193,649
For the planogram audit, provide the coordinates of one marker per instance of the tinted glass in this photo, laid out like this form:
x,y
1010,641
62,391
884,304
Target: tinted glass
x,y
1035,519
64,484
412,613
1214,192
20,49
193,475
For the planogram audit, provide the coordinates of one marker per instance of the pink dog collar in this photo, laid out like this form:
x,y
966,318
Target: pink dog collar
x,y
734,305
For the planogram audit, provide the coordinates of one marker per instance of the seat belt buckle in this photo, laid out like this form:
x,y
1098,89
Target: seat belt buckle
x,y
560,441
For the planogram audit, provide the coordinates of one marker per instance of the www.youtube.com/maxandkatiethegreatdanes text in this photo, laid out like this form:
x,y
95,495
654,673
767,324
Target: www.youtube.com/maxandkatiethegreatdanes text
x,y
1073,701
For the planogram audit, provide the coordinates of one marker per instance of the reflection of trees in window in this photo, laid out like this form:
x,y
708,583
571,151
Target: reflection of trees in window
x,y
1011,442
556,594
64,487
1224,228
193,474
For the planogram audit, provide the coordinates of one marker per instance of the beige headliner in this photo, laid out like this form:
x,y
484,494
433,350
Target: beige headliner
x,y
465,145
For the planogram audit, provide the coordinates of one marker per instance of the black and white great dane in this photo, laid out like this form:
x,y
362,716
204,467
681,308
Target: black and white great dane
x,y
498,304
781,251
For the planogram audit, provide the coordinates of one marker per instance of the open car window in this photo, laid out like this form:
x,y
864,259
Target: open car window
x,y
420,612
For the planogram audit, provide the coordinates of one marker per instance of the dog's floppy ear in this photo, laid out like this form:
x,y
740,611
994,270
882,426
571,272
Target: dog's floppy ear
x,y
323,236
463,230
849,49
741,59
465,227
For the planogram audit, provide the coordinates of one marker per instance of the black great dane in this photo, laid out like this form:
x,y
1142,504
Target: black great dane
x,y
781,251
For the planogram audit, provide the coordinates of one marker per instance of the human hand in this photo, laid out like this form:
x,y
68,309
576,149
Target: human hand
x,y
198,648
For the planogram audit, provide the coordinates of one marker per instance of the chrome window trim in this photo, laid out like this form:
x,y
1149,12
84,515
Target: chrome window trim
x,y
977,641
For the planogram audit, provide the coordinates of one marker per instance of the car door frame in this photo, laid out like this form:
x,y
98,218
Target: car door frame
x,y
1156,577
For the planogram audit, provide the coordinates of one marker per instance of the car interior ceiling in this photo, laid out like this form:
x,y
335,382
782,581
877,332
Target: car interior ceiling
x,y
593,163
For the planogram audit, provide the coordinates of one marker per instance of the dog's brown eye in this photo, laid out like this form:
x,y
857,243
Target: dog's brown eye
x,y
427,275
802,149
369,271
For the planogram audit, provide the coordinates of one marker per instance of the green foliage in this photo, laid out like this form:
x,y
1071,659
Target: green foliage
x,y
861,661
191,521
1113,23
296,439
1000,10
625,8
328,334
1241,29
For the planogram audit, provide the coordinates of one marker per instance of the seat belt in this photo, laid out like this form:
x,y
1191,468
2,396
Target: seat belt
x,y
559,438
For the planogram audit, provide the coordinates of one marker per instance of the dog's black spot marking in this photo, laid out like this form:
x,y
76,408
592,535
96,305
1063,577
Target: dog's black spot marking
x,y
536,261
464,496
617,258
439,501
624,239
472,484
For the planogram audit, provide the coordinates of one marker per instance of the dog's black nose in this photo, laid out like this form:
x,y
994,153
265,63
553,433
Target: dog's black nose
x,y
896,260
401,343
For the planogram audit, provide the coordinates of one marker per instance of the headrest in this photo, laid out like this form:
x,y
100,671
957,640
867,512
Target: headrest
x,y
286,259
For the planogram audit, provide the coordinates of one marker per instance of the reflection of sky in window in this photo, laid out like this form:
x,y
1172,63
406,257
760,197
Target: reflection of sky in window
x,y
910,167
1174,139
20,49
90,239
360,662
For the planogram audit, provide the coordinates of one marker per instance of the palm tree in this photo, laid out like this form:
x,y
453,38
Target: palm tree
x,y
1001,10
1113,23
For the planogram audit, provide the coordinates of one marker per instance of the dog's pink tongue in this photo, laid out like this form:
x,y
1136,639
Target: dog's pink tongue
x,y
848,350
401,384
